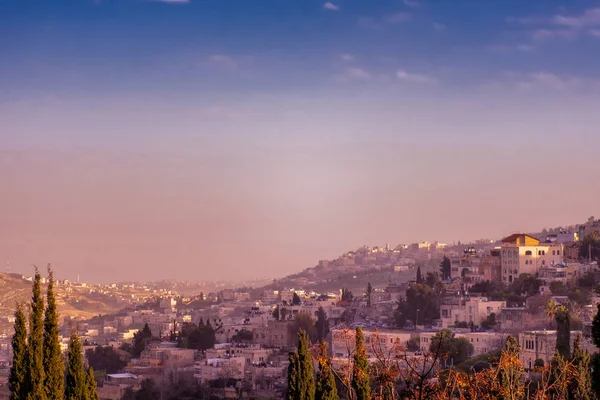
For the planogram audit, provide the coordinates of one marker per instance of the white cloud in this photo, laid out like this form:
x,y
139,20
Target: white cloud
x,y
357,73
561,25
525,47
331,6
398,18
412,3
173,1
438,27
414,77
595,33
223,60
347,57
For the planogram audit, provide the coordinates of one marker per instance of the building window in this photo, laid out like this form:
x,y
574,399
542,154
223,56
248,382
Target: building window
x,y
558,252
528,253
553,252
539,252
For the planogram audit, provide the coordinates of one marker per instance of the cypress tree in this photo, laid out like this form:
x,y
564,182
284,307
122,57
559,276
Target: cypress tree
x,y
360,369
53,363
307,374
419,275
563,332
91,391
18,370
582,384
76,379
326,388
293,390
35,343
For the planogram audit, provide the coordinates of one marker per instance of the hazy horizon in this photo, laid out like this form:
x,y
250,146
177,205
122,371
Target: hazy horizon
x,y
219,139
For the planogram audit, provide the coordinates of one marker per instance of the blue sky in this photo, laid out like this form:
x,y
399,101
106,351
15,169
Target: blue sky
x,y
293,129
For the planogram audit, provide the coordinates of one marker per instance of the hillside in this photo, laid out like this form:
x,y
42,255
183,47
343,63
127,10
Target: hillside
x,y
75,301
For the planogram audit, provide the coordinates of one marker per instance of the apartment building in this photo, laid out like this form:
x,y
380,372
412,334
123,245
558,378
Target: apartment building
x,y
468,309
539,344
524,254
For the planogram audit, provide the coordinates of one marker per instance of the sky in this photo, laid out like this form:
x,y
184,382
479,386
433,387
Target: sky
x,y
233,139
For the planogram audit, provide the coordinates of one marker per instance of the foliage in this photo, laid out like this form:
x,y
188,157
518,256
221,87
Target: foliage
x,y
445,268
141,339
325,388
431,279
456,350
421,306
489,322
301,379
413,344
461,324
525,284
563,328
596,327
321,324
296,299
276,313
581,388
35,344
559,289
53,362
18,370
347,295
105,358
581,297
198,337
369,293
91,391
243,335
419,279
302,322
148,390
589,242
360,369
76,379
486,287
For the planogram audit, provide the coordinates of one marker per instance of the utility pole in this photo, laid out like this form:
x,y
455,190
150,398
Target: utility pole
x,y
590,253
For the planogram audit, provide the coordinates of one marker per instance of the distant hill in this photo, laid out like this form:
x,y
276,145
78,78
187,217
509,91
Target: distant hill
x,y
73,301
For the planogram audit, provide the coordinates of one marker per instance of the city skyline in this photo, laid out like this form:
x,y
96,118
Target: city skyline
x,y
206,139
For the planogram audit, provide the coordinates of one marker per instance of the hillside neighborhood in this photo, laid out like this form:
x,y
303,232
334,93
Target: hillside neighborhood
x,y
235,343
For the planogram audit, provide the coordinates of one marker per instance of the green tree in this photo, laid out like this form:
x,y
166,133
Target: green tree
x,y
360,368
347,295
419,279
199,337
76,379
148,390
589,246
489,322
91,391
321,324
141,339
563,328
35,372
296,299
301,379
456,350
53,361
596,327
422,306
369,293
276,313
326,388
293,386
18,371
445,268
510,371
525,284
581,386
559,289
105,358
302,323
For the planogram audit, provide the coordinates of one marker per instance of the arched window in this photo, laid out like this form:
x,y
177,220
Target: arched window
x,y
528,253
